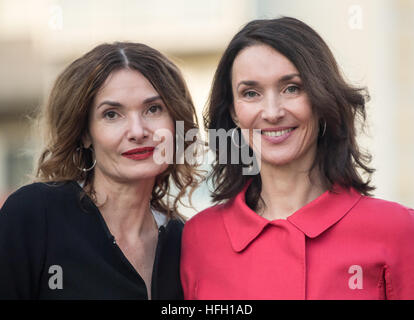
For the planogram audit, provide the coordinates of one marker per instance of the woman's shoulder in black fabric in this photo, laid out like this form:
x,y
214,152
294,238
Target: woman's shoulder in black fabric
x,y
30,200
37,189
23,234
26,200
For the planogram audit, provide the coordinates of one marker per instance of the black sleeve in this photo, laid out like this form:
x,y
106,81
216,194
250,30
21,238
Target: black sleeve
x,y
22,243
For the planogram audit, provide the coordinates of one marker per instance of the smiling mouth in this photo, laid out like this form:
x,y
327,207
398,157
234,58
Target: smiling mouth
x,y
278,133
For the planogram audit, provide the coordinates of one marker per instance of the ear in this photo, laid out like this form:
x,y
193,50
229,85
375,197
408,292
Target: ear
x,y
233,115
86,140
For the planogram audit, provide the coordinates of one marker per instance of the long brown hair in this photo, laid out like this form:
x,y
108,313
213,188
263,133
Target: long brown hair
x,y
333,101
66,114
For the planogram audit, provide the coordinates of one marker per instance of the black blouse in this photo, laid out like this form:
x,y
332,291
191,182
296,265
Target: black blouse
x,y
55,246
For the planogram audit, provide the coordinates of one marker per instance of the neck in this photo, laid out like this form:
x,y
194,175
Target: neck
x,y
125,207
286,189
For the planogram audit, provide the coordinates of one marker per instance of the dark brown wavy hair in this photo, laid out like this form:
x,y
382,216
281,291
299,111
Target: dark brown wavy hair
x,y
332,99
65,117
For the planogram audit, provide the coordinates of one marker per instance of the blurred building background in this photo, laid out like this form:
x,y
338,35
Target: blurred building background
x,y
373,41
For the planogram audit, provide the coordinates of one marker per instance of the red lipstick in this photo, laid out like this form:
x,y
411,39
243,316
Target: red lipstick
x,y
139,153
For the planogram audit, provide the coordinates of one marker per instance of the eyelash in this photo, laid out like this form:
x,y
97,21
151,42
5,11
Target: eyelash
x,y
246,94
297,87
159,108
105,114
293,86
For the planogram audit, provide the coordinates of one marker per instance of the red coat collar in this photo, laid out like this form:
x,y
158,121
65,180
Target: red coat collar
x,y
243,225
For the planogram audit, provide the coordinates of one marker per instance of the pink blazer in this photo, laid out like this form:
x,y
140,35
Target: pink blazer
x,y
340,246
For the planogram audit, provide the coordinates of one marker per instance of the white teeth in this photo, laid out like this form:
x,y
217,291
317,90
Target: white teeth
x,y
276,133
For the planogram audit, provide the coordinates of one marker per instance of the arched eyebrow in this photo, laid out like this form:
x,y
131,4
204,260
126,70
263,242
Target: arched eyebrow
x,y
117,104
289,77
109,103
284,78
152,99
249,83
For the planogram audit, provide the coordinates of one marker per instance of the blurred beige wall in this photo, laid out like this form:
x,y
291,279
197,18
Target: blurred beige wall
x,y
373,41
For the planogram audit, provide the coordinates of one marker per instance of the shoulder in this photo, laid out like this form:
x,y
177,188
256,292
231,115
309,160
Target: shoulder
x,y
37,189
24,211
385,208
208,216
27,196
391,215
205,224
33,189
32,198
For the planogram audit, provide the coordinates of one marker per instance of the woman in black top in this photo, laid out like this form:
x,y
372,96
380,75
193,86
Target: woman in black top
x,y
99,223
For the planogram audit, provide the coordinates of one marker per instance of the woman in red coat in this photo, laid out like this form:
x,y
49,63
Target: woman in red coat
x,y
305,226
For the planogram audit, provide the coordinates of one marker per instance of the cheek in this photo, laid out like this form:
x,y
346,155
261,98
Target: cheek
x,y
310,131
303,112
170,125
303,109
312,127
246,114
163,128
105,139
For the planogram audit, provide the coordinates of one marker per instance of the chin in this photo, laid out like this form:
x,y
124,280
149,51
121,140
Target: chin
x,y
132,175
149,172
277,161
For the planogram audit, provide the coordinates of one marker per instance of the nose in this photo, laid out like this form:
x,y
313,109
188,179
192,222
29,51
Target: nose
x,y
137,130
273,108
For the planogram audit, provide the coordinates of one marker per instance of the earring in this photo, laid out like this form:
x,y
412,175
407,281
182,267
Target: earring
x,y
232,139
79,150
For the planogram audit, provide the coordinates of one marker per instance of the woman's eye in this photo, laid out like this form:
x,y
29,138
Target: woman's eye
x,y
250,94
154,109
292,89
110,115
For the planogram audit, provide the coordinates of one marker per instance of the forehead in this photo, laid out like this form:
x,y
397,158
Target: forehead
x,y
261,62
126,83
